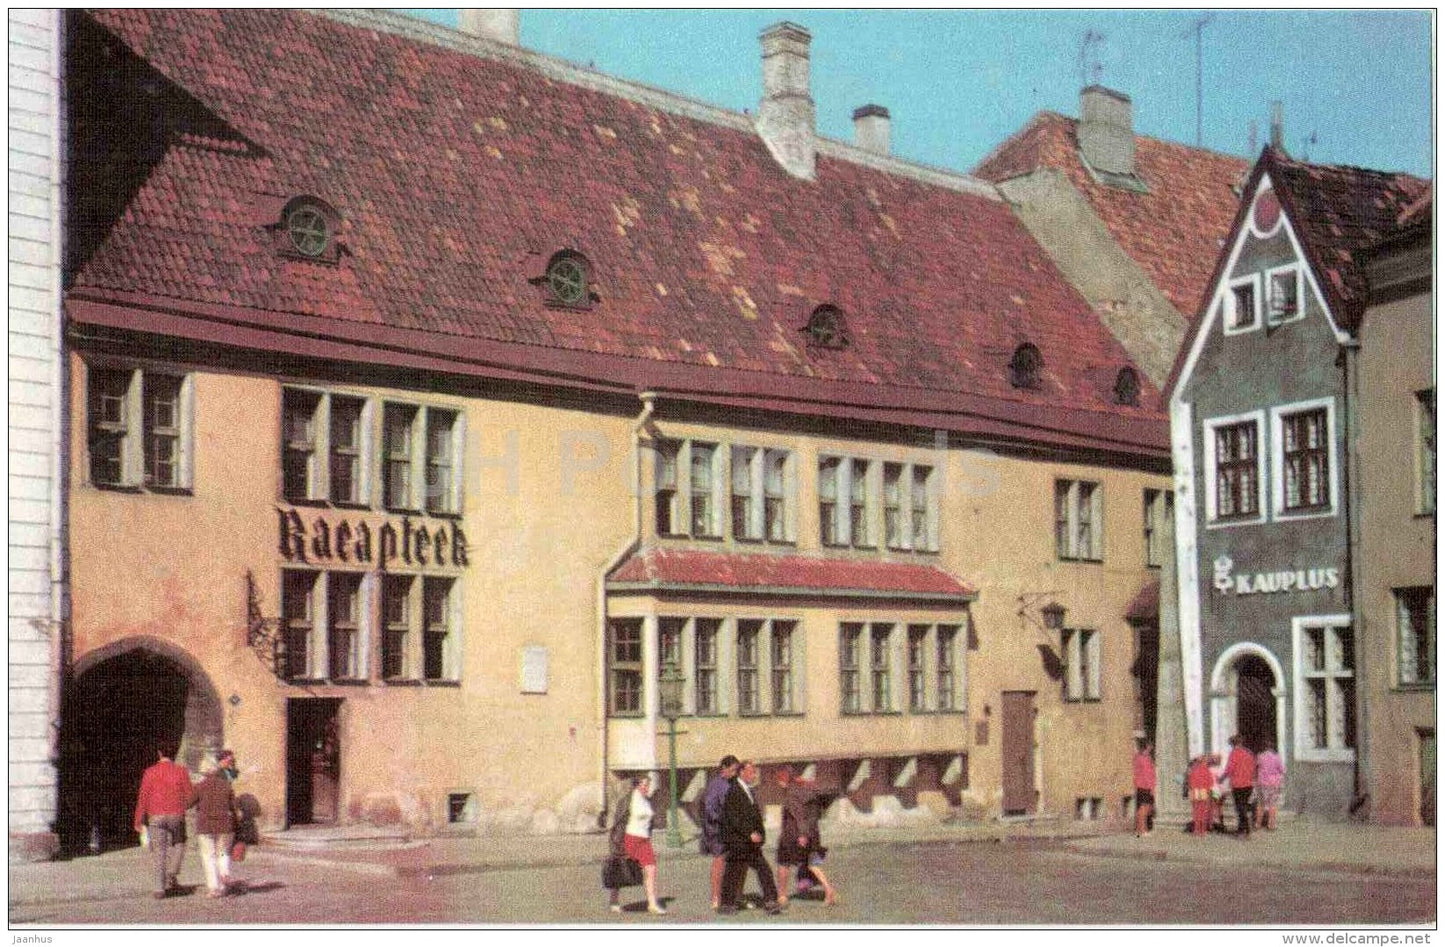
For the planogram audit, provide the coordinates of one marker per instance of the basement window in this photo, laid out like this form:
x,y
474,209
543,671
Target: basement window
x,y
826,328
461,808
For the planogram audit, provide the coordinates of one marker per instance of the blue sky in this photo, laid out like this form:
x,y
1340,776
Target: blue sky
x,y
957,82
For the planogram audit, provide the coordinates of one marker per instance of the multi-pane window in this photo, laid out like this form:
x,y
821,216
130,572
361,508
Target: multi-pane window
x,y
892,506
1242,305
749,699
1158,506
624,667
759,494
437,638
138,429
947,660
398,432
1327,664
346,452
1283,290
917,681
1078,516
1081,664
1415,635
1425,449
1306,460
921,500
705,665
329,452
1236,470
830,473
850,656
343,618
298,623
782,665
880,671
396,626
703,483
858,512
666,501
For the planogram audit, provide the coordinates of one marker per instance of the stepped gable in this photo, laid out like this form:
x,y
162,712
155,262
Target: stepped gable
x,y
1174,231
457,174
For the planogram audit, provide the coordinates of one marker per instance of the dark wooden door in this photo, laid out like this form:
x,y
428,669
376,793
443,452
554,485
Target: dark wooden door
x,y
1017,748
313,761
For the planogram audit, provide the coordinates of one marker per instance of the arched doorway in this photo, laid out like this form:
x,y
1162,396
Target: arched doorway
x,y
122,703
1255,703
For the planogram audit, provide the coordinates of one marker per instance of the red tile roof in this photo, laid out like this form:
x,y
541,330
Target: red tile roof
x,y
1339,212
1174,232
457,176
688,569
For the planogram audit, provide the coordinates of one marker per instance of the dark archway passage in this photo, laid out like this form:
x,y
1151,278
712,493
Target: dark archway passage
x,y
117,710
1255,703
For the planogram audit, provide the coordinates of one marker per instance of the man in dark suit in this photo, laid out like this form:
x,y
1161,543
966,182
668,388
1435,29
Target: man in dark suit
x,y
742,838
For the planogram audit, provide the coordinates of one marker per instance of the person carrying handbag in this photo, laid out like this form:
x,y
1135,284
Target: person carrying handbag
x,y
631,838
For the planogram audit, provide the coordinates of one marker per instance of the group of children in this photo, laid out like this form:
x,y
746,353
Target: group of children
x,y
1253,781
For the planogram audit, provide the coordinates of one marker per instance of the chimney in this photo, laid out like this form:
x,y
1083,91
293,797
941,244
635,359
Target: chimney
x,y
870,128
502,26
785,114
1106,130
1276,125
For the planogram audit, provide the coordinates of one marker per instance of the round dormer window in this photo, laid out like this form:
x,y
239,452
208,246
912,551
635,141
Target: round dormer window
x,y
309,230
567,281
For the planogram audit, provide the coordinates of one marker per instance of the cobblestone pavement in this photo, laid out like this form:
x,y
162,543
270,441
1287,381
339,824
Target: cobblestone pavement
x,y
1021,882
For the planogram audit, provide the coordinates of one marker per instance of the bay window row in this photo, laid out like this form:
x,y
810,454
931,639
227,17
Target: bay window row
x,y
364,451
885,667
860,500
343,627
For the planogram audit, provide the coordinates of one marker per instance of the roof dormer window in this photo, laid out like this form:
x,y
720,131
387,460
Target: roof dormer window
x,y
1126,387
308,230
1026,368
827,328
568,281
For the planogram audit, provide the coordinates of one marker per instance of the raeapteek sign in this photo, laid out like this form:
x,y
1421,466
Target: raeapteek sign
x,y
1226,580
404,541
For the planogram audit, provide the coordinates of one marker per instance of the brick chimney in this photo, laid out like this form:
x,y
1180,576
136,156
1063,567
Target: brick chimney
x,y
870,128
1106,130
785,115
502,26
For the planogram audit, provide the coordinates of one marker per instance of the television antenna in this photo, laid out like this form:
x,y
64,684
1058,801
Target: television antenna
x,y
1090,69
1197,28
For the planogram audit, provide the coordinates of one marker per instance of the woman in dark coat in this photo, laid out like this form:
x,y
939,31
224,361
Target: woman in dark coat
x,y
799,844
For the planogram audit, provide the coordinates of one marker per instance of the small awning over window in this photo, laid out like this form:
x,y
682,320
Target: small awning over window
x,y
687,570
1144,609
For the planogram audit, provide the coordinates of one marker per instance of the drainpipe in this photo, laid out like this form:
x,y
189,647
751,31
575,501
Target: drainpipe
x,y
59,413
1354,580
649,405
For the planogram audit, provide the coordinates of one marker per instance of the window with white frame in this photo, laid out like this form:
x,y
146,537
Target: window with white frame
x,y
323,625
830,514
917,679
1325,658
396,621
328,452
893,522
1241,304
439,644
705,665
850,658
880,666
139,428
624,667
1415,635
1425,450
1078,520
760,489
1082,664
1283,293
781,652
695,508
1304,446
849,493
1158,505
947,664
859,512
924,518
1233,468
749,698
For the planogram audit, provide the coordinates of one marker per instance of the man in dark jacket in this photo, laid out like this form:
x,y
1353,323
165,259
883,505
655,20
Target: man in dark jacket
x,y
216,824
742,837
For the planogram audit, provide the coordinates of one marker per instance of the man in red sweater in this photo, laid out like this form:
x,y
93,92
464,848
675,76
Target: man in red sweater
x,y
1239,773
165,795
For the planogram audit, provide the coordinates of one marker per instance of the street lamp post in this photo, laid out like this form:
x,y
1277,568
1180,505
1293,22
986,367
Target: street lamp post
x,y
669,692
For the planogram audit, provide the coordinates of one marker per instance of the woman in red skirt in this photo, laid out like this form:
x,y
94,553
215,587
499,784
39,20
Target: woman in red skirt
x,y
633,823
